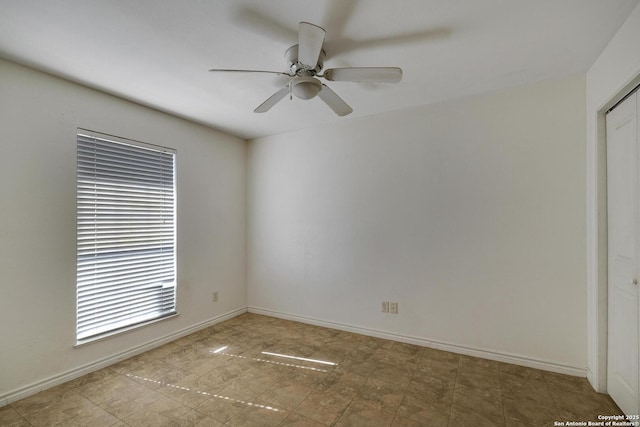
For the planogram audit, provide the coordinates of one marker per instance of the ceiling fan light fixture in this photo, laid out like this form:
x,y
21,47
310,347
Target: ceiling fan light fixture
x,y
305,87
306,61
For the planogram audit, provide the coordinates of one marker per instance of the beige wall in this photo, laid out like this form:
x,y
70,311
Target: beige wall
x,y
470,214
39,115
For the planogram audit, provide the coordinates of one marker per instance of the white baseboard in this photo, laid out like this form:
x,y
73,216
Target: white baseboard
x,y
597,384
591,378
425,342
63,377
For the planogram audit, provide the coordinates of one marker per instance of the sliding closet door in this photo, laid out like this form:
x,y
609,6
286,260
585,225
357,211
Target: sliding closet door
x,y
623,186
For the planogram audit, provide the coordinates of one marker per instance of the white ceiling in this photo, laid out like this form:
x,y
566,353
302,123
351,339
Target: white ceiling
x,y
157,52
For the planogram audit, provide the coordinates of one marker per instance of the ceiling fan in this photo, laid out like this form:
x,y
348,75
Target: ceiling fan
x,y
306,60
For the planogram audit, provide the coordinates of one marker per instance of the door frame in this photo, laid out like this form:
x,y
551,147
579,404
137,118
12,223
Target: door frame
x,y
597,247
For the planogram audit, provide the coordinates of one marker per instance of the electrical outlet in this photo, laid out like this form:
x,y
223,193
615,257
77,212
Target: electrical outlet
x,y
385,306
393,308
214,297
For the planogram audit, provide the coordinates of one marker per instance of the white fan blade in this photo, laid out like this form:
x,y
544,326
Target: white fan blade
x,y
250,71
334,102
364,74
272,100
310,40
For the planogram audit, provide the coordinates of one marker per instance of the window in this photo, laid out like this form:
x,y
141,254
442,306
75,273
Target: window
x,y
126,234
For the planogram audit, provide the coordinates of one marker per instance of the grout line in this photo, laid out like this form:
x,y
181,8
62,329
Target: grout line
x,y
404,396
19,414
455,385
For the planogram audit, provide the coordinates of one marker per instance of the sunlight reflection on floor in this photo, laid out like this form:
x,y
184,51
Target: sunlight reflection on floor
x,y
311,368
178,387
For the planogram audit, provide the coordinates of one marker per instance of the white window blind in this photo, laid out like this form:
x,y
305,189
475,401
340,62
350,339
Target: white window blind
x,y
126,234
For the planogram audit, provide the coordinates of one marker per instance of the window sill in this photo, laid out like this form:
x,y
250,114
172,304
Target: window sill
x,y
111,334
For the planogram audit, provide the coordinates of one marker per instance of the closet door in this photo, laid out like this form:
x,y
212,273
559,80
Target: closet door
x,y
623,186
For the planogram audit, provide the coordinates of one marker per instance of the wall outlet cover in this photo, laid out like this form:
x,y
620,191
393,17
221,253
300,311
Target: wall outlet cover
x,y
393,308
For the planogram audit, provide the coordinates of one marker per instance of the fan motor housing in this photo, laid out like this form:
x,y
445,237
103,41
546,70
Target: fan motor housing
x,y
299,69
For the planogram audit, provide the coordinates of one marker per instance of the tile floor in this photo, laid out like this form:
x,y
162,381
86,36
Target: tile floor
x,y
236,374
